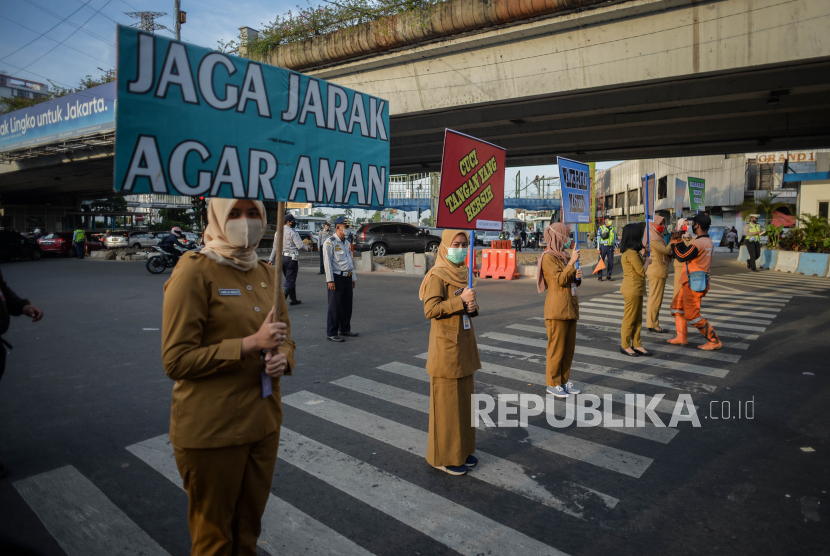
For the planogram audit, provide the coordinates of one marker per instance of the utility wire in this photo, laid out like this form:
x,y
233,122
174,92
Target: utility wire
x,y
67,38
53,14
54,40
44,33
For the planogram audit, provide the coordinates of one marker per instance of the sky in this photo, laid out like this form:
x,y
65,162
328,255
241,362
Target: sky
x,y
39,42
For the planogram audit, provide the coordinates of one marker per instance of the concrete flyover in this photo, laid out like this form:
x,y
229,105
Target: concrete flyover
x,y
590,80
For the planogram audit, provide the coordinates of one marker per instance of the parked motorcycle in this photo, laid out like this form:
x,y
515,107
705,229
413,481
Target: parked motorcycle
x,y
161,259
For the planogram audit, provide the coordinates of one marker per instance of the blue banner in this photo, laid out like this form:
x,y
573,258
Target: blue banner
x,y
575,179
82,113
197,122
648,196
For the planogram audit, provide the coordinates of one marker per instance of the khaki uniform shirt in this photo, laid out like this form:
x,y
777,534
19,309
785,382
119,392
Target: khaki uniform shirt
x,y
453,352
659,267
217,398
634,278
560,304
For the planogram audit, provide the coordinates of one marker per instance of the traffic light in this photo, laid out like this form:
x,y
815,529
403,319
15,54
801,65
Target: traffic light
x,y
194,204
201,204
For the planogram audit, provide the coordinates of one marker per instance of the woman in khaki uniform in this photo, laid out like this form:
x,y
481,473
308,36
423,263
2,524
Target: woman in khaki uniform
x,y
556,273
453,356
226,413
633,289
658,272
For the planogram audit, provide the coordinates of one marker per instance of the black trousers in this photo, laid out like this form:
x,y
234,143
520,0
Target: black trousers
x,y
2,360
340,306
321,260
753,249
606,253
290,269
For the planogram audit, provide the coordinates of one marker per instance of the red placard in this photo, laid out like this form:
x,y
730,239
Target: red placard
x,y
472,184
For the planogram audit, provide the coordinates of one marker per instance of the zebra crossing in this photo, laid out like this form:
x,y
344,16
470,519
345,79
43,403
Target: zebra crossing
x,y
617,454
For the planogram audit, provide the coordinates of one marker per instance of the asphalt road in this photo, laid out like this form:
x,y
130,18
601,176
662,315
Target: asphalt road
x,y
86,383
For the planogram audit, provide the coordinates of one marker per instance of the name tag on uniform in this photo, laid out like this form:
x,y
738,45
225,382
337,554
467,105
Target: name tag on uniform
x,y
467,324
338,248
573,289
229,292
267,386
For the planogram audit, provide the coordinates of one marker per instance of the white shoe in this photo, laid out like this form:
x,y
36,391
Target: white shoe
x,y
557,392
569,388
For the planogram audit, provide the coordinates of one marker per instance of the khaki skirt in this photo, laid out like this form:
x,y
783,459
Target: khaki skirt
x,y
451,436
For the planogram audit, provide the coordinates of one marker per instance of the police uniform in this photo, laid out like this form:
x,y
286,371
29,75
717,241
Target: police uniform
x,y
606,248
291,245
753,243
322,236
339,268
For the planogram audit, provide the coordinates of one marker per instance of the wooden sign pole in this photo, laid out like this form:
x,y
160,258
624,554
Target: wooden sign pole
x,y
278,243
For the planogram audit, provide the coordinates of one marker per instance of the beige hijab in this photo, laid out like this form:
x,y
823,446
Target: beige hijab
x,y
555,237
451,273
217,247
657,237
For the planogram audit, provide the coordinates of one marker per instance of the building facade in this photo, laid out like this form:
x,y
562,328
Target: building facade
x,y
21,88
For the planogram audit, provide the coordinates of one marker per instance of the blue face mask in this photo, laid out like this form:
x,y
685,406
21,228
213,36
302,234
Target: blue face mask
x,y
456,254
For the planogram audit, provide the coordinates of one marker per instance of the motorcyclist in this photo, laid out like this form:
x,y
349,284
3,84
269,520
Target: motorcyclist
x,y
170,242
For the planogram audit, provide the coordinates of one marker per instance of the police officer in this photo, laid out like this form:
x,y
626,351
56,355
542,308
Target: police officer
x,y
753,241
322,236
291,246
606,237
341,279
79,238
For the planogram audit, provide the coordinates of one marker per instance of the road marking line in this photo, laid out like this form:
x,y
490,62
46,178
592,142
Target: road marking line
x,y
593,352
655,335
457,527
80,517
692,338
612,372
618,311
714,355
720,324
285,529
759,281
648,431
775,296
733,312
493,470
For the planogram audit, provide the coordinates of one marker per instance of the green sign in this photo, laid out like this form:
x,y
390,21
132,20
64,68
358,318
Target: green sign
x,y
697,194
196,122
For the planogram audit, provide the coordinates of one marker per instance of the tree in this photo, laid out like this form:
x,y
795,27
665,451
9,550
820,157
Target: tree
x,y
110,204
762,206
375,217
319,214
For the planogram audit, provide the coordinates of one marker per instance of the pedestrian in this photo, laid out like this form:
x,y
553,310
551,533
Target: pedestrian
x,y
37,234
732,238
556,272
657,273
523,237
694,279
341,280
12,305
79,238
322,236
452,359
607,238
753,241
292,243
517,240
226,352
633,289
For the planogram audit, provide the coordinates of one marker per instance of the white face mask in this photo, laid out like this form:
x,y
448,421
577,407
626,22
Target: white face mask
x,y
244,232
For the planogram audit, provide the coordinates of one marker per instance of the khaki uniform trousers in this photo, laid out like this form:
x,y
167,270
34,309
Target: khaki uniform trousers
x,y
451,435
632,322
561,347
228,489
656,287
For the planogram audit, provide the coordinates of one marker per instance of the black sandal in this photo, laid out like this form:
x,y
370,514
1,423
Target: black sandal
x,y
635,354
656,331
642,353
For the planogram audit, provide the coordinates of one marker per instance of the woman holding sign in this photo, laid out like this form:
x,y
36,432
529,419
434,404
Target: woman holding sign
x,y
226,414
556,272
658,272
453,356
633,289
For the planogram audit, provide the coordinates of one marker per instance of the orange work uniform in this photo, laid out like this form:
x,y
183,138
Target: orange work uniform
x,y
695,257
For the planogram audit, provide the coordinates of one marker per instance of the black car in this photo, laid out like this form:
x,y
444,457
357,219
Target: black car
x,y
14,245
391,237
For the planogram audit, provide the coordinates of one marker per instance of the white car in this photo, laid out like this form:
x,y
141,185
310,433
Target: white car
x,y
487,238
136,240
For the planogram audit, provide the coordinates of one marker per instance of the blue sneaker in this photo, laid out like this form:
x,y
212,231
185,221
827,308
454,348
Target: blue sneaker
x,y
569,388
453,469
471,461
557,391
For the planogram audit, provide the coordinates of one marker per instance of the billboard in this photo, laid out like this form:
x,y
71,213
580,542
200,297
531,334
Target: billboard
x,y
82,113
197,122
471,196
697,194
649,190
575,180
679,196
592,191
